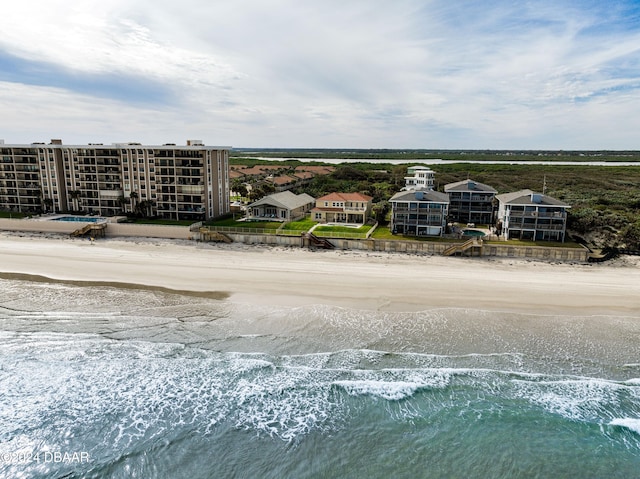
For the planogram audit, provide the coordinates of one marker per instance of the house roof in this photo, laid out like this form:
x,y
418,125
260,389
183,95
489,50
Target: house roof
x,y
285,199
253,171
469,185
528,197
345,197
321,170
422,195
304,175
283,180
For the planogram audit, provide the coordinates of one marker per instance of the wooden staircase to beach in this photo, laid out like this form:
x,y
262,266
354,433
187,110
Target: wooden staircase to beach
x,y
461,248
207,235
319,242
96,229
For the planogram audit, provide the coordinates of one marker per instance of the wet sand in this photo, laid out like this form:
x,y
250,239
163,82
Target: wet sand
x,y
366,281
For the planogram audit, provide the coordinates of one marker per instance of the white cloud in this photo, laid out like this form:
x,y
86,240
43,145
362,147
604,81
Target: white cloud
x,y
333,73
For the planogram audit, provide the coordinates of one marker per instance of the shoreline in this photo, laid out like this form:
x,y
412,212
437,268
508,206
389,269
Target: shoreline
x,y
362,280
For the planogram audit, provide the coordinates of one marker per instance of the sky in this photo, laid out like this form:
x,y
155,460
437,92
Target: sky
x,y
414,74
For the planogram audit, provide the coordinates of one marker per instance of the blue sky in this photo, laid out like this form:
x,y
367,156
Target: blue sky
x,y
333,74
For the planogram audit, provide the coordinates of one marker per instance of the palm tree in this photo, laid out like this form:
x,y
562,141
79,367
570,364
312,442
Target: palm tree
x,y
133,196
48,203
121,202
74,195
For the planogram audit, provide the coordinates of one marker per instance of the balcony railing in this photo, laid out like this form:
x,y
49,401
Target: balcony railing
x,y
534,214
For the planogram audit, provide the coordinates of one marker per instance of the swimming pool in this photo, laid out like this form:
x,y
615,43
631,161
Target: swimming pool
x,y
80,219
477,233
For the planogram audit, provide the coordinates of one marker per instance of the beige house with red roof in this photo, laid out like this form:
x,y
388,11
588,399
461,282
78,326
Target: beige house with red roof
x,y
354,208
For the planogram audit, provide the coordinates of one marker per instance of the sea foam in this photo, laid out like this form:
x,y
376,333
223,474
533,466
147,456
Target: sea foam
x,y
629,423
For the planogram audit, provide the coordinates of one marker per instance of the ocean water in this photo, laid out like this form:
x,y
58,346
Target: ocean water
x,y
107,382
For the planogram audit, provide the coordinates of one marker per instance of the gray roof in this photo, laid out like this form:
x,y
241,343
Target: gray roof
x,y
285,199
526,198
469,185
421,195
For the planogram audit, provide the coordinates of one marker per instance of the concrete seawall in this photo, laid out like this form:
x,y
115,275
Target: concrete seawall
x,y
409,247
112,230
424,247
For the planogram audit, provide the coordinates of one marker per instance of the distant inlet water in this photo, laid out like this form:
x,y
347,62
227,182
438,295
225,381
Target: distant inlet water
x,y
438,161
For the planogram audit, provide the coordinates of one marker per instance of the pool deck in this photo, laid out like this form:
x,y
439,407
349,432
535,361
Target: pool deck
x,y
76,218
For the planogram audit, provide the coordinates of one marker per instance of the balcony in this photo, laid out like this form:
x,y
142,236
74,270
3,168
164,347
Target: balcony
x,y
354,209
191,189
535,214
111,194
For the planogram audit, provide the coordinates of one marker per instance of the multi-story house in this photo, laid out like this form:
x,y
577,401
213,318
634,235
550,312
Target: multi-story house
x,y
419,213
419,177
354,208
470,202
531,216
169,181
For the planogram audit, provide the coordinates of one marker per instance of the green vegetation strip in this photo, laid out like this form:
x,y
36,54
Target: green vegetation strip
x,y
11,214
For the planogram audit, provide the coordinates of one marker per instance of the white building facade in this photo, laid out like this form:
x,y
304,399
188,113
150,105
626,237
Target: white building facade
x,y
419,177
168,181
419,213
527,215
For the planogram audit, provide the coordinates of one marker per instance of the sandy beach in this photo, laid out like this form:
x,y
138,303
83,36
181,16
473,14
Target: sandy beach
x,y
293,276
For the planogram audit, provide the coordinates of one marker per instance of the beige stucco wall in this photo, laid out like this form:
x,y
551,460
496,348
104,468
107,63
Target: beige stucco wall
x,y
113,229
149,231
39,226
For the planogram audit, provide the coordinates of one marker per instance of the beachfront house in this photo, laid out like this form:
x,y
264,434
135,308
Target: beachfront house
x,y
470,202
533,216
352,208
419,177
283,206
419,213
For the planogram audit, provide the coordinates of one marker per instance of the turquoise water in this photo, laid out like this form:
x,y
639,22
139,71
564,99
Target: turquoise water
x,y
145,384
473,233
83,219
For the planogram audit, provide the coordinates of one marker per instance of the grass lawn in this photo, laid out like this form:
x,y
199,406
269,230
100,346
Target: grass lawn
x,y
232,223
11,214
343,229
384,233
300,225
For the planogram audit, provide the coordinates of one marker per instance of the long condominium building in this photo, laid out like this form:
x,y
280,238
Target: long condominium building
x,y
188,182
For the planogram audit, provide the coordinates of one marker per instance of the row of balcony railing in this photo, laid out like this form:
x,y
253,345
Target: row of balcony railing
x,y
537,226
482,199
537,214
